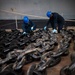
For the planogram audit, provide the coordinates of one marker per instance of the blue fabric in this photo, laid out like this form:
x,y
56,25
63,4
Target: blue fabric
x,y
55,20
27,27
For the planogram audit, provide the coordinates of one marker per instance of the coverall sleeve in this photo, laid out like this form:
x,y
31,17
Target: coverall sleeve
x,y
32,24
23,27
55,21
48,22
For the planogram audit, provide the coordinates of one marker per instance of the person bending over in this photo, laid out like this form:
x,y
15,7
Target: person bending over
x,y
55,20
28,26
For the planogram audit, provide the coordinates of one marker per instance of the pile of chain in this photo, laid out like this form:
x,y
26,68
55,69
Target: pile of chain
x,y
52,58
17,49
70,69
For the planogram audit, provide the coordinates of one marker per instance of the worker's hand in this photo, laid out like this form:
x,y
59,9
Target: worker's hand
x,y
32,28
54,31
45,27
24,33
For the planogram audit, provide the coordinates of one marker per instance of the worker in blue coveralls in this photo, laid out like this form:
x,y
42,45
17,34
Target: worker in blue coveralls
x,y
55,20
28,26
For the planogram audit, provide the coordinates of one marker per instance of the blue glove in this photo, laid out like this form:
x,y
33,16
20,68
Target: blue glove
x,y
45,27
24,33
32,28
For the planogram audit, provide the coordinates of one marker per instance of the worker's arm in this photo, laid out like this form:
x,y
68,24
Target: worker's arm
x,y
45,27
55,20
48,23
33,26
23,27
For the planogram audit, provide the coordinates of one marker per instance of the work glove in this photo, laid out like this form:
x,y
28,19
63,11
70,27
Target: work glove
x,y
24,33
45,27
32,28
54,31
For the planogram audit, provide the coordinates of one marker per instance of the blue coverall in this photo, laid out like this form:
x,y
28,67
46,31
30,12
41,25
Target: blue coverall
x,y
27,26
55,20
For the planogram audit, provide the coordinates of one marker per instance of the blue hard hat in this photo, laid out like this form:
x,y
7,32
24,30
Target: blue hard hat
x,y
26,19
48,13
